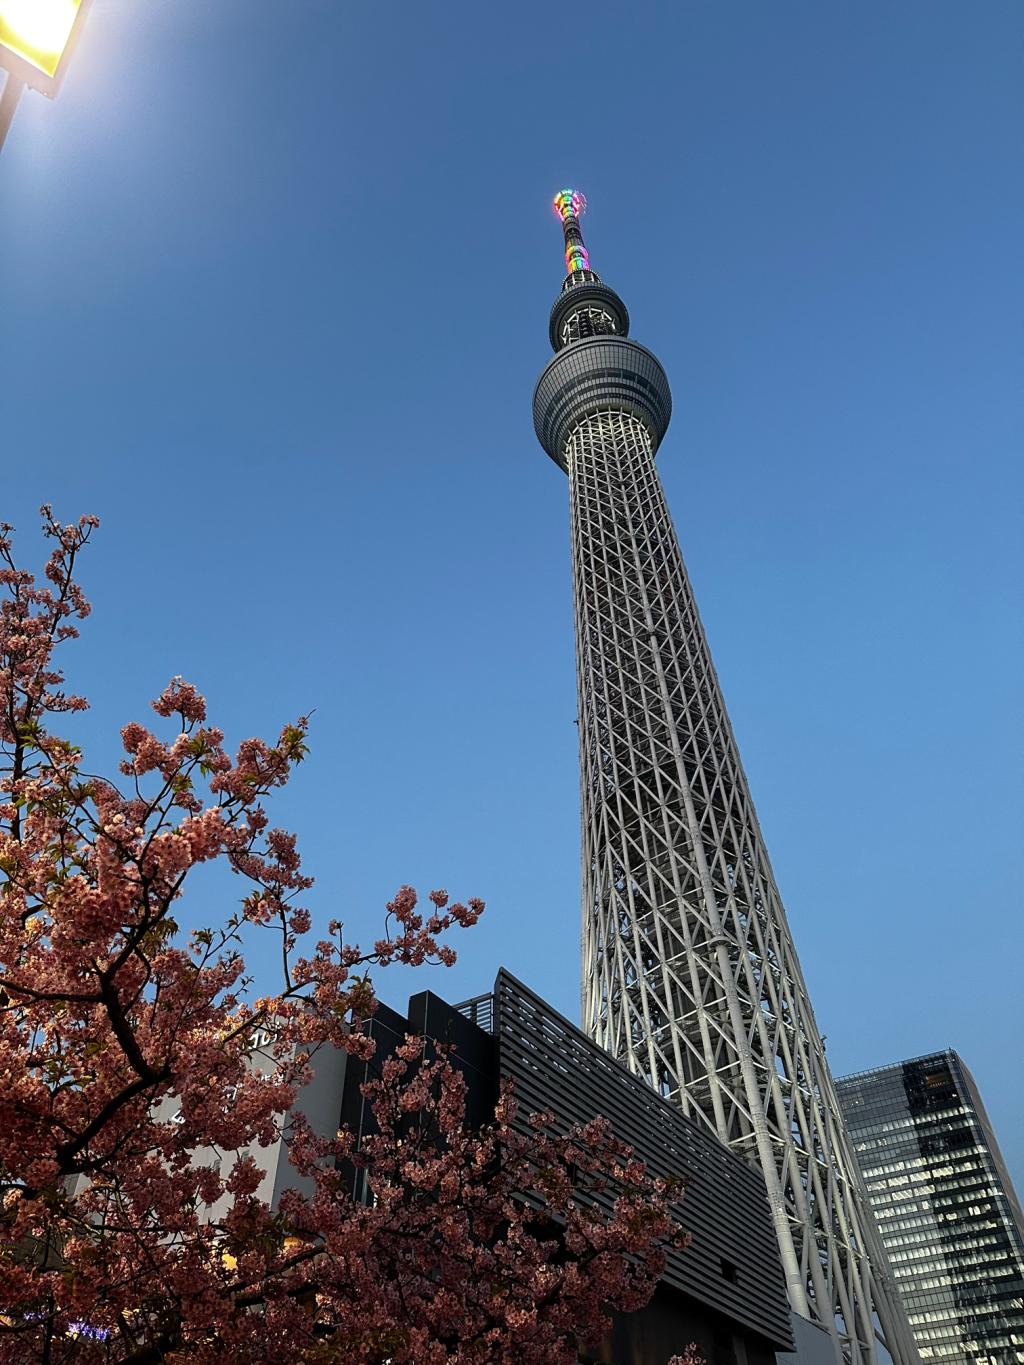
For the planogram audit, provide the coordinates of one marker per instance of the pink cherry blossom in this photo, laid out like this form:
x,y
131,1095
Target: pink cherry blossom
x,y
131,1227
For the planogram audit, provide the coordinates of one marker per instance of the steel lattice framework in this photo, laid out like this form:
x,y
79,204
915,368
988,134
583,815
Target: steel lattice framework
x,y
690,976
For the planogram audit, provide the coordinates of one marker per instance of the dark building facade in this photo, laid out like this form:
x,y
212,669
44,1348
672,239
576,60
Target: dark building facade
x,y
945,1205
726,1291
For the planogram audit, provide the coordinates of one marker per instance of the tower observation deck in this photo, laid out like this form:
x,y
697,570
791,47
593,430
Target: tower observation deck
x,y
690,976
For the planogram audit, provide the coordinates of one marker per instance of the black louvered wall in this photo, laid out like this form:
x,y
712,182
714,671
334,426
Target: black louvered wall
x,y
733,1263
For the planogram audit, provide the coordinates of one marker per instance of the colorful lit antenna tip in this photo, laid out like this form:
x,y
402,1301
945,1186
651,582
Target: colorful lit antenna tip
x,y
569,204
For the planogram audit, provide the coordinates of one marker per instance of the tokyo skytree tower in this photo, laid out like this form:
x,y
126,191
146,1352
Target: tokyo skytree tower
x,y
690,976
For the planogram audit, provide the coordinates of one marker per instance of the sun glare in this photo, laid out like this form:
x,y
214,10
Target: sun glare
x,y
37,30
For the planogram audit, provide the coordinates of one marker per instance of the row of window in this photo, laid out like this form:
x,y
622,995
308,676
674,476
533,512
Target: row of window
x,y
968,1310
893,1222
904,1120
988,1352
964,1162
949,1248
995,1263
979,1182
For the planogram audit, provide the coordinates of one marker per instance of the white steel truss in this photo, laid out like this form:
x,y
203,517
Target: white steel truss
x,y
690,975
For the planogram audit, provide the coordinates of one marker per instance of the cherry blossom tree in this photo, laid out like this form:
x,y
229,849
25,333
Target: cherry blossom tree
x,y
511,1242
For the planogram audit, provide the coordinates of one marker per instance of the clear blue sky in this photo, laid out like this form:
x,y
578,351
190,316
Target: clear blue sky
x,y
275,285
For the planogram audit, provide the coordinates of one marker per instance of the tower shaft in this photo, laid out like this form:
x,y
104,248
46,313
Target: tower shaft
x,y
690,976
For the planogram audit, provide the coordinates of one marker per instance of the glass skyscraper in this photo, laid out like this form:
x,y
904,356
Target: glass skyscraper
x,y
944,1204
